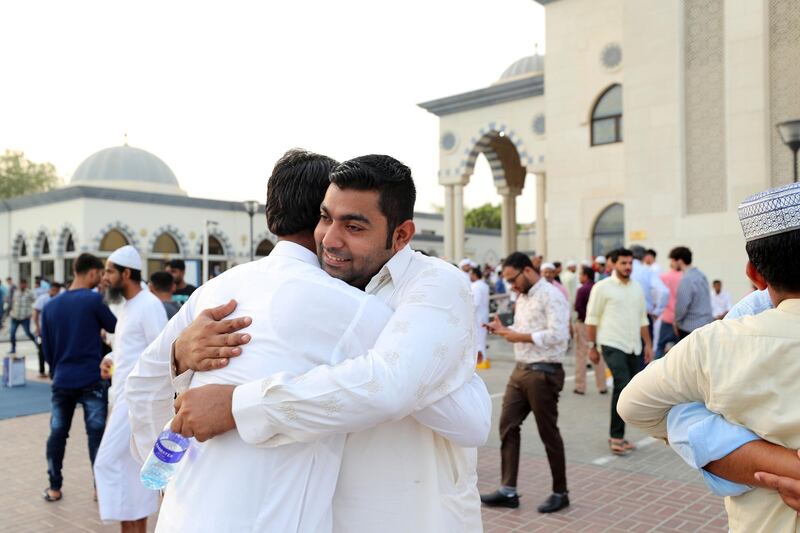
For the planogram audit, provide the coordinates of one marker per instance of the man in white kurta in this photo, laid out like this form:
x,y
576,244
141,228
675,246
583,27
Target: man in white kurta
x,y
302,318
745,369
120,494
395,476
480,301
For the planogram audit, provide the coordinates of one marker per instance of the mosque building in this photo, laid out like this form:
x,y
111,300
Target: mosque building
x,y
647,123
125,195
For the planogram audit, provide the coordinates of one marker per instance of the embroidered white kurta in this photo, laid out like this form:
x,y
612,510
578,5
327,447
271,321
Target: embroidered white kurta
x,y
120,494
396,476
302,318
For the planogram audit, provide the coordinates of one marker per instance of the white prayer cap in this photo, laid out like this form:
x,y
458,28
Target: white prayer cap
x,y
771,212
600,260
464,262
586,263
548,266
571,263
127,257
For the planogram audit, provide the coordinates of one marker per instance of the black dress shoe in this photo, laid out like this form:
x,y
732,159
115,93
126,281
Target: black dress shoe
x,y
498,499
554,503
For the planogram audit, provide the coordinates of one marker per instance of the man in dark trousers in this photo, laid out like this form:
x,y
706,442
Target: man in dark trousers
x,y
540,335
71,326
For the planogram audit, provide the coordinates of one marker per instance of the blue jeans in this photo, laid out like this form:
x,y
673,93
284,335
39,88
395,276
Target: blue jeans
x,y
26,327
666,335
94,399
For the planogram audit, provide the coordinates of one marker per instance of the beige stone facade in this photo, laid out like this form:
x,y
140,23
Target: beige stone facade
x,y
703,84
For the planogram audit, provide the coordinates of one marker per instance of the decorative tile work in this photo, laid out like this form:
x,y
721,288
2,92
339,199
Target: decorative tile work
x,y
784,81
704,61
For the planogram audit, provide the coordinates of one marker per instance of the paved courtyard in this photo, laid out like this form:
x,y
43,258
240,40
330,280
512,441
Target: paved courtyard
x,y
651,490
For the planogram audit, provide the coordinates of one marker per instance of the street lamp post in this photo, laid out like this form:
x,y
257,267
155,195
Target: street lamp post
x,y
790,134
251,206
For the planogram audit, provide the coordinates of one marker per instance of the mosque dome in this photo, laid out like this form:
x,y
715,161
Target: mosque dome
x,y
126,167
522,68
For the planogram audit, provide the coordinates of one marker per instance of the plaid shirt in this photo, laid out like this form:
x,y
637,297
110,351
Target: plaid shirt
x,y
22,304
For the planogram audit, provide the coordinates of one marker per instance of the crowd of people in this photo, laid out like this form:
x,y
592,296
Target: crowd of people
x,y
620,311
351,388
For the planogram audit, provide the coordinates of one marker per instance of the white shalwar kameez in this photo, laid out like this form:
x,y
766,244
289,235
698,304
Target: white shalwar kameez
x,y
302,319
399,473
480,301
120,494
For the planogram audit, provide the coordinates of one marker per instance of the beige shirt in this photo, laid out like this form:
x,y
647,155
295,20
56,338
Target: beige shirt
x,y
619,311
544,314
747,370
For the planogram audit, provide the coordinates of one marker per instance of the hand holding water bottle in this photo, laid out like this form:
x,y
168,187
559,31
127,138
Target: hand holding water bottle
x,y
162,461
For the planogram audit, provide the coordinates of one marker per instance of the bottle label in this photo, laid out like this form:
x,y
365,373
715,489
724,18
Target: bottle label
x,y
164,453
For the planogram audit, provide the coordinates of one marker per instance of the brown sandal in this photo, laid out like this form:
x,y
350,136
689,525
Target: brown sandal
x,y
617,446
628,446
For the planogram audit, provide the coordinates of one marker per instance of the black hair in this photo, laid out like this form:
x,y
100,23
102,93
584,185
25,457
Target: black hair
x,y
295,191
177,264
557,264
86,262
477,271
615,254
588,272
55,285
777,260
638,252
136,275
162,281
385,174
652,252
681,253
716,281
519,261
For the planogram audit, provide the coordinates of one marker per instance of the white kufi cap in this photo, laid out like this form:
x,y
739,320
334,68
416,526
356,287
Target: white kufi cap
x,y
127,257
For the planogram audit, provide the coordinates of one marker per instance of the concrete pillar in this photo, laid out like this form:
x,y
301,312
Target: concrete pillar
x,y
36,270
541,217
58,270
448,223
508,228
458,222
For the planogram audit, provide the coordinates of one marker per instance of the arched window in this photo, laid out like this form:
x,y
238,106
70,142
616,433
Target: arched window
x,y
165,244
23,249
264,248
112,240
46,246
70,246
609,230
607,117
214,246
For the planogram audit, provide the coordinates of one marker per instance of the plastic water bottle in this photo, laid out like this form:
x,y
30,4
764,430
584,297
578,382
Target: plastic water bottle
x,y
162,461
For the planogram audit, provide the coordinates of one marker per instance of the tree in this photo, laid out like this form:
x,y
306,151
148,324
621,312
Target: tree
x,y
19,176
485,216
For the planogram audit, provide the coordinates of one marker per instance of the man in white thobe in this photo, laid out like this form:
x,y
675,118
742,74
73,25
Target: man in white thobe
x,y
303,319
480,301
120,494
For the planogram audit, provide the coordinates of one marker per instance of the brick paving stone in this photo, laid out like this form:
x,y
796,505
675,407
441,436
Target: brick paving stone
x,y
649,491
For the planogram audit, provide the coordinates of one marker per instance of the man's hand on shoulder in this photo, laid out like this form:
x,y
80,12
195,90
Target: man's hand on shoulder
x,y
210,341
204,412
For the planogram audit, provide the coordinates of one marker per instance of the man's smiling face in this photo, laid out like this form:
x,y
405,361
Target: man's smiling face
x,y
351,235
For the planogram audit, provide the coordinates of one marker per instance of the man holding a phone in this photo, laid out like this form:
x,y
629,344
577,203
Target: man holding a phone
x,y
540,334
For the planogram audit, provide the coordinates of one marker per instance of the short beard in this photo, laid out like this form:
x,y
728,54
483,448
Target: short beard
x,y
114,294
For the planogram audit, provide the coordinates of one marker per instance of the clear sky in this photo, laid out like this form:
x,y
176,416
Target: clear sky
x,y
219,90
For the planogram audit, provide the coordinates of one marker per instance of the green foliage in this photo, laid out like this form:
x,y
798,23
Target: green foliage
x,y
485,216
19,176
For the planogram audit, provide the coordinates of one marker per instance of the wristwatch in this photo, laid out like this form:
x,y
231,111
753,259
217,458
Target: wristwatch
x,y
590,344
